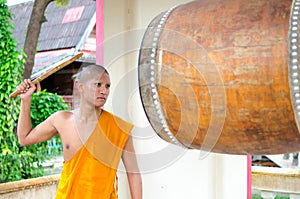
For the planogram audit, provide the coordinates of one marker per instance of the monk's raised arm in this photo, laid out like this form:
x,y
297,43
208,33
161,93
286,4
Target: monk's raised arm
x,y
26,134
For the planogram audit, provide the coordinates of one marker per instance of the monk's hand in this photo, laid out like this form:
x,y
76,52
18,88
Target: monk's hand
x,y
26,88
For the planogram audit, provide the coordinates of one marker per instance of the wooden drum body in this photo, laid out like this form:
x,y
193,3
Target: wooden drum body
x,y
223,76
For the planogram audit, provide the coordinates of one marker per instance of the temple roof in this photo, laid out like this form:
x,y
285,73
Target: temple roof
x,y
67,31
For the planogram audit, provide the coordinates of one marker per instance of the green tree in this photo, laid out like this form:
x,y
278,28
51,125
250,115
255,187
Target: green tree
x,y
11,67
17,162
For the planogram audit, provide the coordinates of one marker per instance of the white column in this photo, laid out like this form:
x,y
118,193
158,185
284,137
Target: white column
x,y
167,171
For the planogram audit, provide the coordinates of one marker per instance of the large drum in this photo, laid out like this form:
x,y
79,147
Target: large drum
x,y
223,76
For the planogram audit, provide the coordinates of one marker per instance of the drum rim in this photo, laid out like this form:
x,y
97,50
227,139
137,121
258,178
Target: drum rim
x,y
293,63
148,66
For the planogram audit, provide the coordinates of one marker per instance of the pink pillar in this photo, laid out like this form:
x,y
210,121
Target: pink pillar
x,y
99,32
249,177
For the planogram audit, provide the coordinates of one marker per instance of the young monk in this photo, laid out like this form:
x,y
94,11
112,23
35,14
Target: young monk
x,y
93,139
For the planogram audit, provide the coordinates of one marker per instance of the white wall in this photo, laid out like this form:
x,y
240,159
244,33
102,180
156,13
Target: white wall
x,y
168,171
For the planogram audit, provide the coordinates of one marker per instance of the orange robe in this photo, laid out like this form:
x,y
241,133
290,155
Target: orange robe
x,y
91,172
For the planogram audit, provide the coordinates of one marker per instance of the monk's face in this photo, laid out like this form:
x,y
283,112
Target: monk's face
x,y
96,90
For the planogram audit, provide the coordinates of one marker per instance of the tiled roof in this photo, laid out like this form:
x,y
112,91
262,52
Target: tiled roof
x,y
66,27
68,30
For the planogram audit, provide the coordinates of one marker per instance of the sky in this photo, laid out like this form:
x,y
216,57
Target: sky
x,y
13,2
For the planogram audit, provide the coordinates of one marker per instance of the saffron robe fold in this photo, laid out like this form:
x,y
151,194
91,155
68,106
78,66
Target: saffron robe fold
x,y
91,172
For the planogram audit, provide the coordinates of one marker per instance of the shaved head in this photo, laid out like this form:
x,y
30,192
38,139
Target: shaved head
x,y
88,72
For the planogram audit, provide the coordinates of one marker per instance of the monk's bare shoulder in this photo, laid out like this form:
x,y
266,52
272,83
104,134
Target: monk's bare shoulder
x,y
61,119
61,115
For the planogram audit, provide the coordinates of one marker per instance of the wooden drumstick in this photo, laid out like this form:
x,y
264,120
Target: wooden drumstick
x,y
48,73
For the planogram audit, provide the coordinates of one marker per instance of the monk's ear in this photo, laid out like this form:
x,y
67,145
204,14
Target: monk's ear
x,y
80,86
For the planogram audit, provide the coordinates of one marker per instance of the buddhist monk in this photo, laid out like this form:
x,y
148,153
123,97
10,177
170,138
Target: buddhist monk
x,y
94,140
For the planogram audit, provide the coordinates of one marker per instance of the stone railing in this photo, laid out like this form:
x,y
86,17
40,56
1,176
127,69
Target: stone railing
x,y
41,188
269,182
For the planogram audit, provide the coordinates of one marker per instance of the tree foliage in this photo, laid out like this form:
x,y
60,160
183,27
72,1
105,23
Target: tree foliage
x,y
18,162
11,59
62,2
11,67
